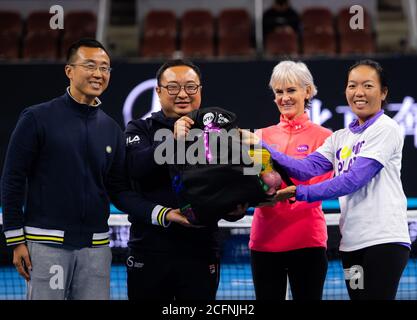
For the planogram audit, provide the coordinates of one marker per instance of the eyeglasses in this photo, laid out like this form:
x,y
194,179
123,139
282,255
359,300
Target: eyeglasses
x,y
175,88
92,67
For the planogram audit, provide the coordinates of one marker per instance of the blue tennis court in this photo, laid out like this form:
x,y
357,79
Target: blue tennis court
x,y
236,277
235,283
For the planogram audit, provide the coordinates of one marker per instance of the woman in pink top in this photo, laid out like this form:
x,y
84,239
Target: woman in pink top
x,y
289,239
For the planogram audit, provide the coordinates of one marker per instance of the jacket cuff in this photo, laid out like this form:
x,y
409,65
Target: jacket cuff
x,y
14,237
158,216
301,193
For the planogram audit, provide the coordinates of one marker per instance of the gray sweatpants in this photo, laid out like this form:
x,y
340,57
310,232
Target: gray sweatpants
x,y
73,274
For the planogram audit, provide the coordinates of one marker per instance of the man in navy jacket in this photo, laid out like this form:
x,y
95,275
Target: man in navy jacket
x,y
65,162
169,259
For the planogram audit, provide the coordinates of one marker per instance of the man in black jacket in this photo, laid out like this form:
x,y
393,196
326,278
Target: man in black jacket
x,y
71,156
168,257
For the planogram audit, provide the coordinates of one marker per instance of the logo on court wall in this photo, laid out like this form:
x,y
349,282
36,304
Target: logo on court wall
x,y
355,276
135,93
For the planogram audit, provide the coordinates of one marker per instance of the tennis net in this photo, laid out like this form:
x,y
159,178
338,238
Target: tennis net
x,y
236,276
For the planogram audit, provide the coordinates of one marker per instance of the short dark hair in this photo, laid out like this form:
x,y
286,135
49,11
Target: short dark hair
x,y
378,69
175,63
84,42
374,65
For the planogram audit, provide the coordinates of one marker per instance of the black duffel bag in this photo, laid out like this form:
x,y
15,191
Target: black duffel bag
x,y
214,186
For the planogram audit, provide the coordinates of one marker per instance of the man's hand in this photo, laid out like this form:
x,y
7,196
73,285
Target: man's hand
x,y
176,216
182,127
21,260
237,214
249,138
280,195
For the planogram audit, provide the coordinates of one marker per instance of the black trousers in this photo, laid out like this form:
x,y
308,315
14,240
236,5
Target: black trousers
x,y
373,273
306,270
152,276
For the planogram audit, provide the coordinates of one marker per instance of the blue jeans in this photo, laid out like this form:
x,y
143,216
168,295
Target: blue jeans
x,y
59,273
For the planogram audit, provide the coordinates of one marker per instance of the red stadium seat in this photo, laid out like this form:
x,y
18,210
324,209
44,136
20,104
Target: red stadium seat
x,y
234,32
317,20
197,22
160,23
357,43
38,22
10,22
197,33
282,41
319,44
40,46
343,22
82,22
41,42
318,35
159,34
78,24
197,46
162,46
10,34
9,46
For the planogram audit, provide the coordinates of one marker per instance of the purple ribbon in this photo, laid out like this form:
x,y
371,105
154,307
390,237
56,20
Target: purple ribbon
x,y
211,127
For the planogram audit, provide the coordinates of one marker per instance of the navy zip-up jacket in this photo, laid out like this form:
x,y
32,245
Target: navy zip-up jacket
x,y
70,160
153,181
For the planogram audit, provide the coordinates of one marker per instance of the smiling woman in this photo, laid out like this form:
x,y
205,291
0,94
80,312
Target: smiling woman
x,y
288,235
367,159
293,86
366,90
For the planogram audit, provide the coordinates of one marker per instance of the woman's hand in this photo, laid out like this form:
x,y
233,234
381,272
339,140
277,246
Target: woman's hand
x,y
280,195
